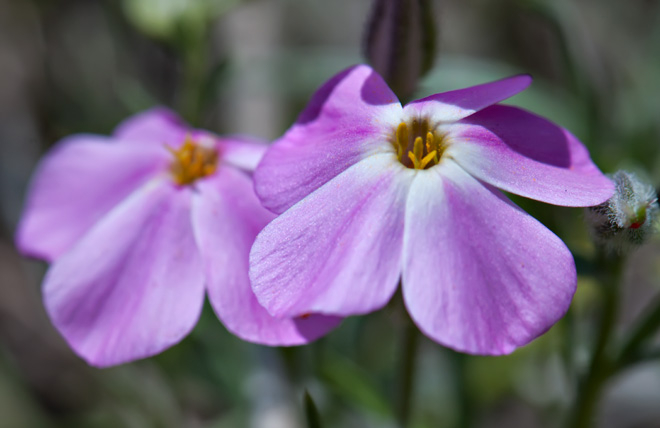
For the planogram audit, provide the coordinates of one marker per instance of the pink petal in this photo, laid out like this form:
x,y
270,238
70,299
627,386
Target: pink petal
x,y
480,275
158,126
338,251
227,217
351,116
525,154
455,105
134,285
242,152
77,183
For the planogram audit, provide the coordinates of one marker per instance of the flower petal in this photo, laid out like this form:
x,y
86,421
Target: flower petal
x,y
77,183
227,217
242,152
338,251
480,275
133,286
455,105
158,126
528,155
351,116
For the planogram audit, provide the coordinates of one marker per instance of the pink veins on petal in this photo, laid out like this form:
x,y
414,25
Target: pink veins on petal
x,y
371,191
140,226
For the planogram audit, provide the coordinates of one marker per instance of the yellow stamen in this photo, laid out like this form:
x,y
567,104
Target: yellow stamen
x,y
428,158
414,160
434,145
417,144
418,149
401,139
192,161
429,139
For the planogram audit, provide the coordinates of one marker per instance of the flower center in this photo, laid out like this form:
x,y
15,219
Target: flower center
x,y
417,145
192,161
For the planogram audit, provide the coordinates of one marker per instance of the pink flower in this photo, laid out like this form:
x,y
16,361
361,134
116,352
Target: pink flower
x,y
372,192
138,227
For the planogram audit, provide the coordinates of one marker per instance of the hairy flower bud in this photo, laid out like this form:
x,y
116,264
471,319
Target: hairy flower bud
x,y
627,218
400,42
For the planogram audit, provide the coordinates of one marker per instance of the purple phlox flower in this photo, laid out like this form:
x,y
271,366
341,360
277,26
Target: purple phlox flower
x,y
139,226
371,192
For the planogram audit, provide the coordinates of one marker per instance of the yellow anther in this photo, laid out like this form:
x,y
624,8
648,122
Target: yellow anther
x,y
418,148
402,134
401,139
434,146
428,158
417,145
192,161
414,160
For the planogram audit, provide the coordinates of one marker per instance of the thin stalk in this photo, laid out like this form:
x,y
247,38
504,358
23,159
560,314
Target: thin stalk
x,y
192,43
465,410
311,412
645,328
194,70
568,324
601,365
404,395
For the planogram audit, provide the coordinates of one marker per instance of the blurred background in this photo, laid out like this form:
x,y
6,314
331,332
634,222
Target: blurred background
x,y
248,67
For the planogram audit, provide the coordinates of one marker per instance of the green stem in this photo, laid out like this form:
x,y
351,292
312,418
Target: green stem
x,y
311,411
191,44
645,328
465,409
568,346
290,362
193,75
601,364
403,404
648,355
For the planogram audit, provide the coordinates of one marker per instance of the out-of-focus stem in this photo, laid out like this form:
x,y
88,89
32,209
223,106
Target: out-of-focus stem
x,y
311,412
645,328
404,393
601,365
194,70
465,406
568,324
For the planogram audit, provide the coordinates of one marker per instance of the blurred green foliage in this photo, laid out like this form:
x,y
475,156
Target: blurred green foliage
x,y
163,19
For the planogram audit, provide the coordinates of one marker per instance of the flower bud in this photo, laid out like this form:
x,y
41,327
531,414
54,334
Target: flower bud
x,y
627,218
400,42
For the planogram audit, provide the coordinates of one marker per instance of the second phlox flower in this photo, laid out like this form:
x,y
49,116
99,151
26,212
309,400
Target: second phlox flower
x,y
372,192
139,227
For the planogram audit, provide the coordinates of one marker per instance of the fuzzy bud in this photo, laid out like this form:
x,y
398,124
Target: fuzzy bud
x,y
628,218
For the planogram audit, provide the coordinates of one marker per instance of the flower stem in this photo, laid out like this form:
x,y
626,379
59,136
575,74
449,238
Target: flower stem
x,y
311,412
193,75
646,326
601,365
465,410
192,45
404,395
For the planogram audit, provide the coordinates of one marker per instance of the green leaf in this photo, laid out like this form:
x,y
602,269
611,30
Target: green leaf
x,y
353,385
311,412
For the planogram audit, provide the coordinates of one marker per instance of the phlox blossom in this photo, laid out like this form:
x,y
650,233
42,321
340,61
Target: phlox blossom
x,y
371,193
139,226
